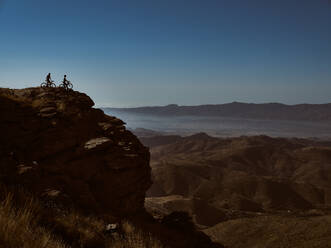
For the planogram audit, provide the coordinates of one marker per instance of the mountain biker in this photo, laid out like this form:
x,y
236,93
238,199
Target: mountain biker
x,y
48,78
65,81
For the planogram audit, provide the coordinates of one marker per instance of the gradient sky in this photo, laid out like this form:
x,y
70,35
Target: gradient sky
x,y
156,52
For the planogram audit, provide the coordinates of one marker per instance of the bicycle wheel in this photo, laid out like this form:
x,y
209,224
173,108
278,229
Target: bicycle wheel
x,y
43,85
53,85
70,86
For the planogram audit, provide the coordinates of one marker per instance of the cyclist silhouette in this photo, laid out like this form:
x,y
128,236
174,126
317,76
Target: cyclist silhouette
x,y
66,84
48,82
65,79
48,78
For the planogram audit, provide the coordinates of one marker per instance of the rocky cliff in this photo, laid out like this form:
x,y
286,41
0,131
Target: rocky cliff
x,y
54,143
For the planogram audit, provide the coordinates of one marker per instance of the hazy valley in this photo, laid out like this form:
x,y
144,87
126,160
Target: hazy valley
x,y
243,188
223,126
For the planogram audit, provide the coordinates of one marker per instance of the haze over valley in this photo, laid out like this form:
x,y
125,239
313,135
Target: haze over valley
x,y
241,170
231,120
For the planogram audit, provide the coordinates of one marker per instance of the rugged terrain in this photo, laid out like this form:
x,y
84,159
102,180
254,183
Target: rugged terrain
x,y
77,162
247,173
245,190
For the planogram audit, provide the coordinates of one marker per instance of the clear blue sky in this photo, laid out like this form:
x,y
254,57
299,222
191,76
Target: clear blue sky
x,y
156,52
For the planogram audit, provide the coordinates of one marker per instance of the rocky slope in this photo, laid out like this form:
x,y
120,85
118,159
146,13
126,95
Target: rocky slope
x,y
236,177
55,144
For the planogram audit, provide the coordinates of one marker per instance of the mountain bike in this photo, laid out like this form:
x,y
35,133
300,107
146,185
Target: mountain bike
x,y
67,85
50,84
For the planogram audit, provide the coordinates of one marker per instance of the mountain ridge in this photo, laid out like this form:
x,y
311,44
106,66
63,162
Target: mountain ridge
x,y
269,111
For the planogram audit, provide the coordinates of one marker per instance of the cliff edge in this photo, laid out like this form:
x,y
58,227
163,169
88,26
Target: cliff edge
x,y
55,144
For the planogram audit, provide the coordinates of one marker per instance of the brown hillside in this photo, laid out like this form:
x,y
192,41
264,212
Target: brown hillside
x,y
246,173
274,232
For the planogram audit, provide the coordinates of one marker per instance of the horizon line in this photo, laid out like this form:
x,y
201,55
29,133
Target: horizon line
x,y
212,104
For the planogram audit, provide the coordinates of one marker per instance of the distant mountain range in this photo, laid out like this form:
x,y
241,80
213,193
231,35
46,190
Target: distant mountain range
x,y
272,111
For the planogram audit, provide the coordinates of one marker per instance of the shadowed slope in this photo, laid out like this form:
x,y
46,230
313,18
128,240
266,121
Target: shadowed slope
x,y
54,143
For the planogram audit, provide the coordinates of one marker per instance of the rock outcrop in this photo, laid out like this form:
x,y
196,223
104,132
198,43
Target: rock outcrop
x,y
55,144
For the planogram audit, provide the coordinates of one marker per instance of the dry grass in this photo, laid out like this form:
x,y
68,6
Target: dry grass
x,y
80,230
25,223
134,238
18,228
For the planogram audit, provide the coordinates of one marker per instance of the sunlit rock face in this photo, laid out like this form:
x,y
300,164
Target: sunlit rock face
x,y
52,140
